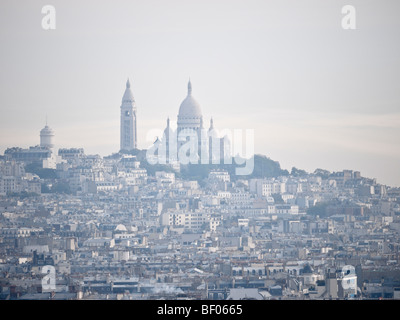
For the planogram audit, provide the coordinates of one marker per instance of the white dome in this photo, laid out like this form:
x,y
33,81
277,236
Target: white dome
x,y
46,131
120,227
189,108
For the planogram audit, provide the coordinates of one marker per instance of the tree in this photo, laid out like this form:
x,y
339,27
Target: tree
x,y
61,187
277,198
298,172
318,210
324,174
43,173
22,194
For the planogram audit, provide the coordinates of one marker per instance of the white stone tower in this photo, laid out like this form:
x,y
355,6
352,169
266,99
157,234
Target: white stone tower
x,y
47,137
128,139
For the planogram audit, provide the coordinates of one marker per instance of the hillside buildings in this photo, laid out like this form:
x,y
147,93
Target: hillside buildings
x,y
117,227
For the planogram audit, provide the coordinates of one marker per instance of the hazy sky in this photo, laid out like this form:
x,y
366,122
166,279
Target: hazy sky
x,y
317,96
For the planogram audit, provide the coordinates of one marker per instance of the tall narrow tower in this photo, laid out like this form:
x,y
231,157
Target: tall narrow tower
x,y
128,139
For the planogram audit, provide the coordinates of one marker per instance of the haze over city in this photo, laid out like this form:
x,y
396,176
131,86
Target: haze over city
x,y
191,155
316,95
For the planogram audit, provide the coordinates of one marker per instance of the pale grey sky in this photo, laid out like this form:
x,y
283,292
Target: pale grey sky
x,y
316,95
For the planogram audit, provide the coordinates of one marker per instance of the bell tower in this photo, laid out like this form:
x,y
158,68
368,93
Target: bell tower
x,y
128,137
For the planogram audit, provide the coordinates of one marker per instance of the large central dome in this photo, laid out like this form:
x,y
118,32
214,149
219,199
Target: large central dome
x,y
189,108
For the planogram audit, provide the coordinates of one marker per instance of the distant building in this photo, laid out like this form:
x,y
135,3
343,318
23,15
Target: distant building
x,y
99,243
267,187
72,153
33,154
128,131
93,187
188,220
244,294
47,137
190,142
219,175
43,153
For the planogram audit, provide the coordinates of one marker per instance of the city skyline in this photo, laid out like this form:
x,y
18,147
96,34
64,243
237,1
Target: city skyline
x,y
316,95
174,124
190,155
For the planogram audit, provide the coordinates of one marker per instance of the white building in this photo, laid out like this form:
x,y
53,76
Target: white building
x,y
128,132
267,187
99,243
224,194
132,177
47,137
219,175
243,222
240,198
188,220
286,209
9,184
165,179
215,221
190,142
